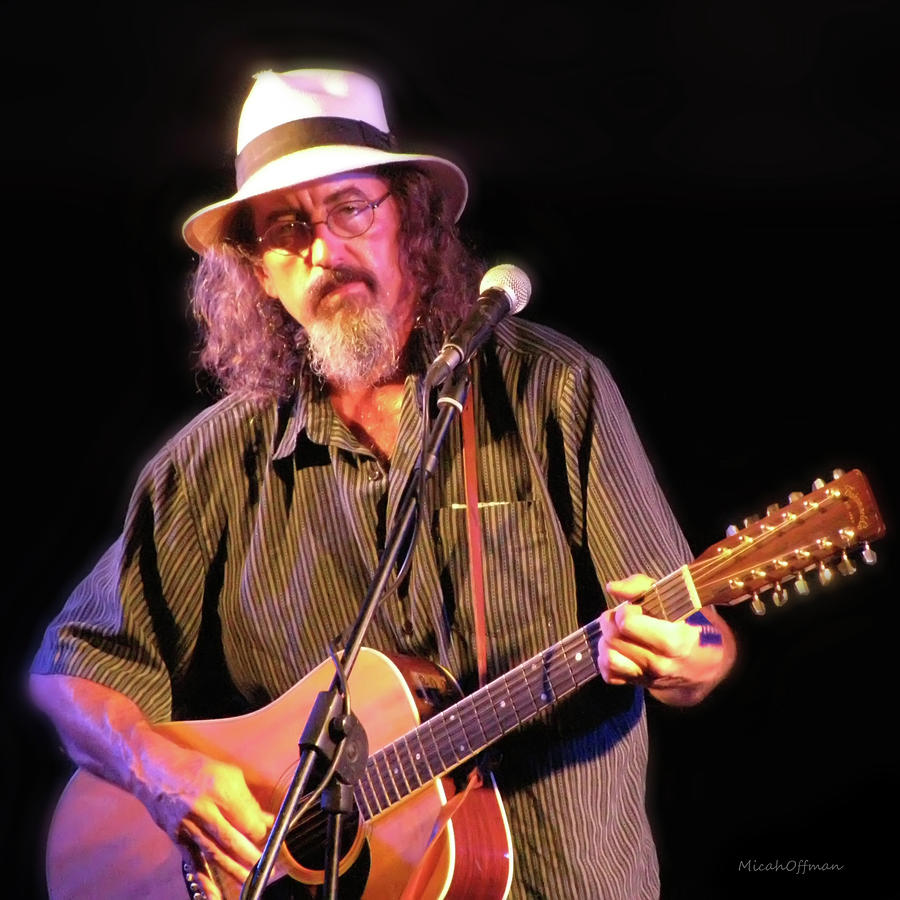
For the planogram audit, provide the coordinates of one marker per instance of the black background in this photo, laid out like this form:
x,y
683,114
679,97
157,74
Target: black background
x,y
705,194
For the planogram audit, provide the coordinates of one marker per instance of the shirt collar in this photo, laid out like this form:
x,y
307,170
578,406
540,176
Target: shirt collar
x,y
311,411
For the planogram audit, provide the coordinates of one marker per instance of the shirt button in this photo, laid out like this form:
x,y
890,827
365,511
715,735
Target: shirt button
x,y
407,627
374,472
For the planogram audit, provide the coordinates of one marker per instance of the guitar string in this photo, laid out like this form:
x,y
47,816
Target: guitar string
x,y
556,669
552,664
662,592
515,685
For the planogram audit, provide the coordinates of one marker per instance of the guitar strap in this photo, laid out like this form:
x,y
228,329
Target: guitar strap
x,y
430,860
426,865
473,525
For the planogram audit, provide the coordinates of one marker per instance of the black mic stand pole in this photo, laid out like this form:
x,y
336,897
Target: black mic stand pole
x,y
329,732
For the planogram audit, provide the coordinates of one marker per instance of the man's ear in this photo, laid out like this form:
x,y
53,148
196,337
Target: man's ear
x,y
265,280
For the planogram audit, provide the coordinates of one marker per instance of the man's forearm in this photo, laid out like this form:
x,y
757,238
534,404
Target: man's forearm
x,y
101,729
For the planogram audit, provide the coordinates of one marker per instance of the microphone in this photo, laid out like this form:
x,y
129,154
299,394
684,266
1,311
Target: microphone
x,y
504,290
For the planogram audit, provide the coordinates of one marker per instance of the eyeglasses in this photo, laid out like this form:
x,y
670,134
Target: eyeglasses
x,y
348,219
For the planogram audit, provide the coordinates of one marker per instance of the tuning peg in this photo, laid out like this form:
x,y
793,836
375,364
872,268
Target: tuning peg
x,y
825,574
800,585
794,496
757,605
750,520
837,473
771,509
731,530
779,595
818,484
869,556
845,567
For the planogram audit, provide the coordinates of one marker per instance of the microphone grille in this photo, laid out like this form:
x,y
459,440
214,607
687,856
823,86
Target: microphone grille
x,y
512,281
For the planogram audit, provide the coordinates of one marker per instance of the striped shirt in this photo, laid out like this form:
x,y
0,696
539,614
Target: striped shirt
x,y
253,535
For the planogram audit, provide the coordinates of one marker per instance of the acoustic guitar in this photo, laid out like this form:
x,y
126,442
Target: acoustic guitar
x,y
103,841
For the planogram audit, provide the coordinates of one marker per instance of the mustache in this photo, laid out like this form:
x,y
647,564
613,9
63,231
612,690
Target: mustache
x,y
334,278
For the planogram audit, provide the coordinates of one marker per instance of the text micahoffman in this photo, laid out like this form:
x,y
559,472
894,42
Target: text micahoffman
x,y
793,866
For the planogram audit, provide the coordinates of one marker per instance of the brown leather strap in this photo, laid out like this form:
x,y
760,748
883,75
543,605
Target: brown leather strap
x,y
473,524
426,866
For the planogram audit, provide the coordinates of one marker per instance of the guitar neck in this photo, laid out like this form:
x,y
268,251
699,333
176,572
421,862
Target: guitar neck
x,y
460,732
827,523
463,730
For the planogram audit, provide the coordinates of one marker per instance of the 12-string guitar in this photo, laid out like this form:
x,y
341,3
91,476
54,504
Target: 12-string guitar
x,y
102,839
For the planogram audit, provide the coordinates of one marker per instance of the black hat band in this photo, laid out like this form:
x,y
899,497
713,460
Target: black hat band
x,y
301,134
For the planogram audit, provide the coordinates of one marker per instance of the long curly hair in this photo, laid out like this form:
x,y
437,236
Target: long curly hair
x,y
248,343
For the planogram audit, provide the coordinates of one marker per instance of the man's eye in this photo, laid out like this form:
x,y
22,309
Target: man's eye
x,y
288,227
349,209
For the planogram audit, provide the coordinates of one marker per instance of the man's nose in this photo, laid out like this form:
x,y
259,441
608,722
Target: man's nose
x,y
326,248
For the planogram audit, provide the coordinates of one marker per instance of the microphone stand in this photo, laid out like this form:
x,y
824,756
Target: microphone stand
x,y
331,733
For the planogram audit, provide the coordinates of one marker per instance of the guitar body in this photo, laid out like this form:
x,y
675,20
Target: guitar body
x,y
103,840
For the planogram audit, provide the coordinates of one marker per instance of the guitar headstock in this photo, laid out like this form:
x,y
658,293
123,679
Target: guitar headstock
x,y
809,534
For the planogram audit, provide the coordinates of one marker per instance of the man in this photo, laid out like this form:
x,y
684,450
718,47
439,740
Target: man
x,y
325,287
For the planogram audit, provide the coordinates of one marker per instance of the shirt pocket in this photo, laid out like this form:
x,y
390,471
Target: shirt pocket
x,y
527,580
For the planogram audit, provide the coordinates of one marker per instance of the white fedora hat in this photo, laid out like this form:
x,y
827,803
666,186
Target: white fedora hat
x,y
306,124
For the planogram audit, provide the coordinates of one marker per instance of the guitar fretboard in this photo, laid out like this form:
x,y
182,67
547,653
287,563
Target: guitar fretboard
x,y
457,734
672,598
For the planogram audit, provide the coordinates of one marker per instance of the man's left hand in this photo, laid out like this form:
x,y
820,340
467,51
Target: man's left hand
x,y
668,658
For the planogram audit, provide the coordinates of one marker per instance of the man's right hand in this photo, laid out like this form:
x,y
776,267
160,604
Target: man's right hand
x,y
202,804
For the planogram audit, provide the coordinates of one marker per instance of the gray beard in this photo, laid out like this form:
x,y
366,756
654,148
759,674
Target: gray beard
x,y
355,348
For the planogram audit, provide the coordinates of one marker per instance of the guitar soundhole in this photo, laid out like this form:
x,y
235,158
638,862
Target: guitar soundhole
x,y
306,841
307,844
